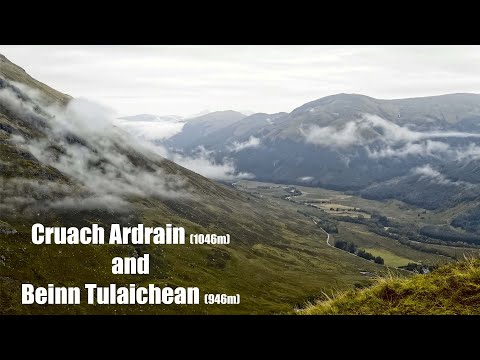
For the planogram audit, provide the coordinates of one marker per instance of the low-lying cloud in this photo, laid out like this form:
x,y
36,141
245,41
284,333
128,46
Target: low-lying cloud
x,y
429,173
429,148
203,163
201,160
382,139
153,130
330,136
21,195
305,178
80,141
371,128
252,142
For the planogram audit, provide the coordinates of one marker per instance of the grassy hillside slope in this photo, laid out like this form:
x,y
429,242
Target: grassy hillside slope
x,y
451,289
276,259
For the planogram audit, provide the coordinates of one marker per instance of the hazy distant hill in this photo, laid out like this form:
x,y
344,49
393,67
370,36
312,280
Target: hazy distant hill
x,y
222,130
200,129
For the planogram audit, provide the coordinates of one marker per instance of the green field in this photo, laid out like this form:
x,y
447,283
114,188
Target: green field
x,y
397,252
390,258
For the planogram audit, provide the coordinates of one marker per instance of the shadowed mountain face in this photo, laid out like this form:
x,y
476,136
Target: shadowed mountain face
x,y
63,163
424,151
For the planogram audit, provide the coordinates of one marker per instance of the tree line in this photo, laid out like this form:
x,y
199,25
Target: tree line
x,y
352,248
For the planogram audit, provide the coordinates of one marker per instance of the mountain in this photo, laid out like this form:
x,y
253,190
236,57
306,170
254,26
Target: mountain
x,y
200,128
423,151
62,163
206,112
229,127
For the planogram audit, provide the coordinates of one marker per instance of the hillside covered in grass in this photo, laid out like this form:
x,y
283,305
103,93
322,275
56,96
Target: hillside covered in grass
x,y
64,163
451,289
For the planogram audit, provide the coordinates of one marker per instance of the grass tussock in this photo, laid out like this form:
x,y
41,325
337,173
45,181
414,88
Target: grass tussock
x,y
451,289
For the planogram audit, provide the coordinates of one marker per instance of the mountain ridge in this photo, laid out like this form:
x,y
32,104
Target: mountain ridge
x,y
423,151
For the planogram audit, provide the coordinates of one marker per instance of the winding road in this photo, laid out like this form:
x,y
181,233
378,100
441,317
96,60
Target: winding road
x,y
332,246
289,198
328,235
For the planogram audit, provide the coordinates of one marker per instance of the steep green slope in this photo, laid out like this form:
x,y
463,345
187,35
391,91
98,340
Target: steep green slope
x,y
451,289
61,164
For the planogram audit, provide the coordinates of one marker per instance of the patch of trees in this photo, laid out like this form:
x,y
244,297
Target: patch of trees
x,y
346,209
381,220
356,220
345,245
292,191
375,220
419,268
449,235
352,248
469,221
329,226
424,249
421,193
405,234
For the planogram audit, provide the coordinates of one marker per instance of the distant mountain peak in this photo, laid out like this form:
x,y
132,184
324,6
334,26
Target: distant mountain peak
x,y
247,112
204,113
220,115
348,96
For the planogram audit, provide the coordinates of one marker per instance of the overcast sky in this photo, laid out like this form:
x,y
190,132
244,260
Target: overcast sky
x,y
183,80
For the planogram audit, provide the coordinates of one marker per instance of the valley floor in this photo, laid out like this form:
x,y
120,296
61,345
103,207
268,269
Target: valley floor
x,y
351,213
